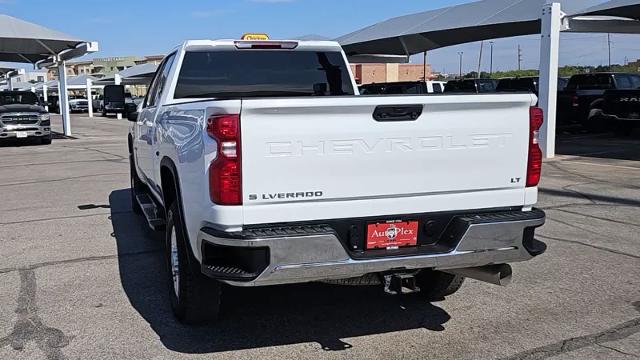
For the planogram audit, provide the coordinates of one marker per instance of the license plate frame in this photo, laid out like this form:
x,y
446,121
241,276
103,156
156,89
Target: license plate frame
x,y
392,235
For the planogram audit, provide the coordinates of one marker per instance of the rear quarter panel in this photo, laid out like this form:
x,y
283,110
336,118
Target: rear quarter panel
x,y
182,138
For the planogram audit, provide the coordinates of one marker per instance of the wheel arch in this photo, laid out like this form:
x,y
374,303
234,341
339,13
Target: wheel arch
x,y
170,185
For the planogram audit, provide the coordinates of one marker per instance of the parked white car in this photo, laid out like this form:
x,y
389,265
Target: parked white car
x,y
263,167
79,105
403,88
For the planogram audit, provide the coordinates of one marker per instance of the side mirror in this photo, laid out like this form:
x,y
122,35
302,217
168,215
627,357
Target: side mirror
x,y
132,111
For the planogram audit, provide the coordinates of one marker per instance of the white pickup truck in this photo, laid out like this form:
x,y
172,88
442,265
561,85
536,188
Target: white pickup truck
x,y
264,166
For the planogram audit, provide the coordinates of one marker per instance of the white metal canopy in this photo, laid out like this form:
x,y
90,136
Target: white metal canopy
x,y
75,83
135,75
5,71
22,41
475,21
25,42
490,19
618,8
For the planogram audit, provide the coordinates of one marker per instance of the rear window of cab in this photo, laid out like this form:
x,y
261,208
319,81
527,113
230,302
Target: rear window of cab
x,y
263,73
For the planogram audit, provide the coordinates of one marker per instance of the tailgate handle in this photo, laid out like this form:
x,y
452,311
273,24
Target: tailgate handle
x,y
398,112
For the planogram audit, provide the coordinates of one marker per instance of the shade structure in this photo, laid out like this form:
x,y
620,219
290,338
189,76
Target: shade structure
x,y
481,20
22,41
49,84
4,71
135,75
25,42
74,83
492,19
618,8
17,86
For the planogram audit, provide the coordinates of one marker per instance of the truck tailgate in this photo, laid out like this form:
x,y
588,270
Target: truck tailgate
x,y
322,158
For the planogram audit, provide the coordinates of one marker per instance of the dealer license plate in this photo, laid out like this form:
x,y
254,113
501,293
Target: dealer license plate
x,y
392,235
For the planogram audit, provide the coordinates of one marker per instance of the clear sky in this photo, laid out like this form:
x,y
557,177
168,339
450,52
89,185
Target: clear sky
x,y
143,27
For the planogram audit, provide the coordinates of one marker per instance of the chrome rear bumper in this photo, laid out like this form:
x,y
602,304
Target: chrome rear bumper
x,y
306,254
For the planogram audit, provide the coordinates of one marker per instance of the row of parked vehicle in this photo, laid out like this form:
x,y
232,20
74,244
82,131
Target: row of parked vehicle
x,y
598,102
24,115
111,101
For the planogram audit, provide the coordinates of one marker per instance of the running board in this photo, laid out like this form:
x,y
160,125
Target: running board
x,y
151,211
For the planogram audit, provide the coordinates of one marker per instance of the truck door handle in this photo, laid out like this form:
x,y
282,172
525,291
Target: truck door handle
x,y
398,113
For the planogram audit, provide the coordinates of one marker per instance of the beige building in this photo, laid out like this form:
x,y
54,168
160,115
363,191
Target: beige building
x,y
380,73
636,64
101,67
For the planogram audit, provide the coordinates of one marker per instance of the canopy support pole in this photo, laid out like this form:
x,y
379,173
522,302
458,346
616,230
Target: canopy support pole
x,y
64,98
549,61
90,97
45,97
117,79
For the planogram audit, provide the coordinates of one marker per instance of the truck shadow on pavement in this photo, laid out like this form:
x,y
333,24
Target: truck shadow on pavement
x,y
601,146
258,317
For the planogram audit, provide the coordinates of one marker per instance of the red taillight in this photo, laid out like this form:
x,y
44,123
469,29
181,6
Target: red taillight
x,y
534,166
575,101
225,172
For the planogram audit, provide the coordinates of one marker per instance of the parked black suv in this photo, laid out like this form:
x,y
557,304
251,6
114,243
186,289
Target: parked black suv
x,y
526,83
584,99
619,110
476,86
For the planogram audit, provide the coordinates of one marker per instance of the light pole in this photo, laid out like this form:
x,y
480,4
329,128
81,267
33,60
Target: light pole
x,y
491,62
609,44
425,66
460,53
480,59
519,57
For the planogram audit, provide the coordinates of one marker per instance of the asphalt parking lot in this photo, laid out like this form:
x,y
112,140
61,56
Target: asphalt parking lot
x,y
81,276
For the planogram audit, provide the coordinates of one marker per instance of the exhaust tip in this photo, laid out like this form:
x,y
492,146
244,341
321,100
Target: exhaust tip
x,y
500,275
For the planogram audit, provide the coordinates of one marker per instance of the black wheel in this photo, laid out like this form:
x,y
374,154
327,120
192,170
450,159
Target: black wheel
x,y
595,123
195,299
136,185
437,285
45,140
104,113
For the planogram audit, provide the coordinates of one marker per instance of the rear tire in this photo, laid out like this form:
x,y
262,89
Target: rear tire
x,y
45,140
595,123
437,285
195,299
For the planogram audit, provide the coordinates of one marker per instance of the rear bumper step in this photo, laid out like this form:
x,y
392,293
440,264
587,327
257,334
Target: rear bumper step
x,y
152,212
296,254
